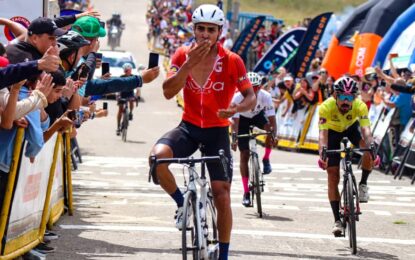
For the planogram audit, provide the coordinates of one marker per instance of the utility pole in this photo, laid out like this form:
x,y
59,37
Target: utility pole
x,y
233,23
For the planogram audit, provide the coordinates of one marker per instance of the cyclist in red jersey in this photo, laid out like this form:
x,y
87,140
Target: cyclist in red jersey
x,y
209,76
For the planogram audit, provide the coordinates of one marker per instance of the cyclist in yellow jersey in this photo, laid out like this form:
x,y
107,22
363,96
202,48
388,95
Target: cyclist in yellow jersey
x,y
344,116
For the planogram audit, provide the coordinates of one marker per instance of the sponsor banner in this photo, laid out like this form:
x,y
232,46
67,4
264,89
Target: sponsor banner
x,y
30,193
57,194
246,37
21,11
282,49
382,126
375,113
309,45
312,136
289,126
406,135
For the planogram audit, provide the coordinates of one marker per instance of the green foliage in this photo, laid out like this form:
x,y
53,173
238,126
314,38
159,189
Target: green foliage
x,y
291,11
399,222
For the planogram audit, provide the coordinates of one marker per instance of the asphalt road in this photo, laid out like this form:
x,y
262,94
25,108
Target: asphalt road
x,y
119,215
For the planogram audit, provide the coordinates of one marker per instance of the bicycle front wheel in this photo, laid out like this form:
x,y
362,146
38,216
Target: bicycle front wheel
x,y
256,170
190,240
210,230
352,214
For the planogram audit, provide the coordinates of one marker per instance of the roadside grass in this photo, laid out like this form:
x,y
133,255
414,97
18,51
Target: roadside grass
x,y
291,11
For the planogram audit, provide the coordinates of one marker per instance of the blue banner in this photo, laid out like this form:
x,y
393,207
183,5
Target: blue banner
x,y
282,49
69,12
309,45
246,37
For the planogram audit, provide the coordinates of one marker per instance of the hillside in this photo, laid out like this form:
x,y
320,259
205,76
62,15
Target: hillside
x,y
292,11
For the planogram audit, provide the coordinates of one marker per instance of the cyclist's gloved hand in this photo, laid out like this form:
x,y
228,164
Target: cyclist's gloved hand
x,y
322,164
376,162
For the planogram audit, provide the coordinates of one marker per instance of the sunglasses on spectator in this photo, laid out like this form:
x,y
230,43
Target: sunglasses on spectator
x,y
343,97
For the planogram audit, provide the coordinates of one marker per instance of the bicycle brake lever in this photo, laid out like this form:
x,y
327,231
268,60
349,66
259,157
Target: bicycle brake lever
x,y
152,172
373,151
324,153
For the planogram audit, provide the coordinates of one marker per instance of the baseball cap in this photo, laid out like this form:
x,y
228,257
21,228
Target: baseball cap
x,y
288,78
89,27
43,25
370,70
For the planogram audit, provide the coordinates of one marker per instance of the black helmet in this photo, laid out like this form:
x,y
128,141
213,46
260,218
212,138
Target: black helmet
x,y
71,41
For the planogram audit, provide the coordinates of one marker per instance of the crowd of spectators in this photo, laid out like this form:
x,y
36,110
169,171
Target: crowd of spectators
x,y
46,84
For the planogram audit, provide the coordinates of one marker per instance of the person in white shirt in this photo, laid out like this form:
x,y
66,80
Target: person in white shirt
x,y
263,117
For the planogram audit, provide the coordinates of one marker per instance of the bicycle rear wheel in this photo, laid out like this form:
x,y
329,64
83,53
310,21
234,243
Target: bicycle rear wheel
x,y
351,215
124,126
257,184
211,230
190,240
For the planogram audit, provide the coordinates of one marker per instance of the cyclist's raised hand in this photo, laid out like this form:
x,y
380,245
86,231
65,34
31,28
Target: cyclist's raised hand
x,y
227,113
197,53
149,75
45,84
322,164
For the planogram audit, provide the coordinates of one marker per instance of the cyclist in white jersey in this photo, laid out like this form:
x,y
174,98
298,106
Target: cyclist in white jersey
x,y
263,117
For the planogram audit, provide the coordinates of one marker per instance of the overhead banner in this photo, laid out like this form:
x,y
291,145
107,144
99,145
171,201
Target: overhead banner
x,y
309,45
282,49
246,37
20,11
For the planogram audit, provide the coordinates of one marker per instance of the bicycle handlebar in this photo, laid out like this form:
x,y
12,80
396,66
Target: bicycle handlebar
x,y
326,152
189,160
253,135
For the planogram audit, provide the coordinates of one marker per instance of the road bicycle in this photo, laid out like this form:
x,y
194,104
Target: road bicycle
x,y
256,178
349,202
199,230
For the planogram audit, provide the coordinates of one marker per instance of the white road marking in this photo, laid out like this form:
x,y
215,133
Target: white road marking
x,y
134,228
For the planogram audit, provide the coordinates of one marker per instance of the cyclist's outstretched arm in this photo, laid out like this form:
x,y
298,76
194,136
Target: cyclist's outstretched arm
x,y
173,85
367,135
323,140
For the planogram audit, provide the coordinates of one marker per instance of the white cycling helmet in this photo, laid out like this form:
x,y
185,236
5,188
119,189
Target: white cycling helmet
x,y
127,66
208,14
254,78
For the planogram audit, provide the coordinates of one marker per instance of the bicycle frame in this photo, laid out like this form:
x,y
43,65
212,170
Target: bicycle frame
x,y
199,188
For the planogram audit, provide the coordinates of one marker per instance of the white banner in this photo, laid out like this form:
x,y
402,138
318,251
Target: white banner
x,y
57,188
20,11
406,135
375,112
382,126
313,131
30,193
289,126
